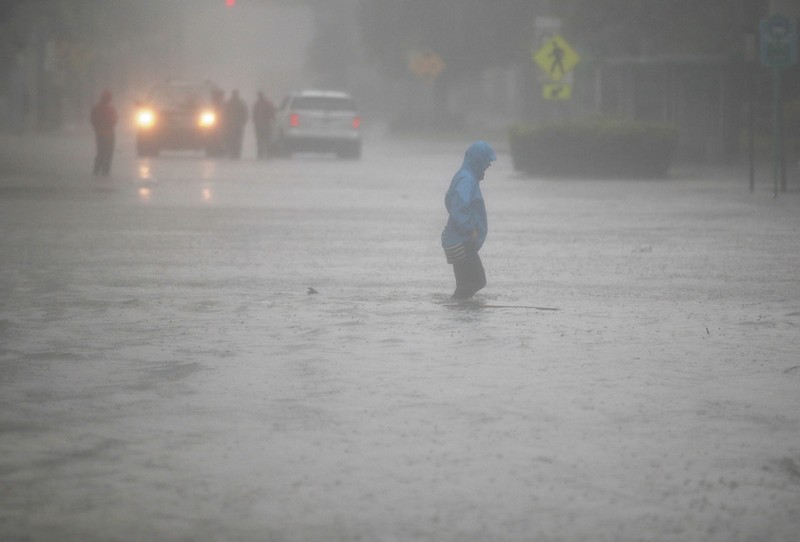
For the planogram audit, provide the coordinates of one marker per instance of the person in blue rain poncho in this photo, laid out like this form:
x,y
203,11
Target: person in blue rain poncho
x,y
467,224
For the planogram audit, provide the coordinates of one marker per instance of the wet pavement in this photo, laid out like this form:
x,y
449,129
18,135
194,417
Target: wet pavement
x,y
165,374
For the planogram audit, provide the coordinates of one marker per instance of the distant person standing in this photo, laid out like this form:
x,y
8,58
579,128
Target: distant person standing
x,y
263,119
104,120
235,119
467,224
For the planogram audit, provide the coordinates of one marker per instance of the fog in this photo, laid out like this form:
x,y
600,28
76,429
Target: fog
x,y
72,49
57,55
202,347
249,47
165,373
61,53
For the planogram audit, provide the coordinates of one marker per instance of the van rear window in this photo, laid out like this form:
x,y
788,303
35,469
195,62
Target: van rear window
x,y
324,103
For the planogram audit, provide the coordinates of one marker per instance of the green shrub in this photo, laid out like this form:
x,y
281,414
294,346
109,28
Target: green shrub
x,y
595,148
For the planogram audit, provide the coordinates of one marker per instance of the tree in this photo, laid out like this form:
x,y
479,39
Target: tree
x,y
73,45
658,27
469,34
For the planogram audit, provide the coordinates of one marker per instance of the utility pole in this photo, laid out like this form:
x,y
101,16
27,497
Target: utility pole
x,y
789,10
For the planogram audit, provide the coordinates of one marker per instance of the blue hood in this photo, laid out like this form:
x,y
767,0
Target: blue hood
x,y
464,201
478,157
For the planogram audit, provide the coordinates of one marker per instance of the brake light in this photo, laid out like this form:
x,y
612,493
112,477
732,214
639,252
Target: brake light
x,y
294,120
356,123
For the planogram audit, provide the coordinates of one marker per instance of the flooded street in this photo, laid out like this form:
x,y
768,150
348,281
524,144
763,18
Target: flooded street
x,y
165,373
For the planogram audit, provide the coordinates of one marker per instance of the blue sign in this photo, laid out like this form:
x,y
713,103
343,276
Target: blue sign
x,y
778,36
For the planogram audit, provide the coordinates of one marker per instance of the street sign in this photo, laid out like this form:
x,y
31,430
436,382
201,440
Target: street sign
x,y
426,65
556,91
556,57
778,37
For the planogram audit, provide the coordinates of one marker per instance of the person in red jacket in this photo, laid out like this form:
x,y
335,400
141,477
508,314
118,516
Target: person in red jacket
x,y
104,120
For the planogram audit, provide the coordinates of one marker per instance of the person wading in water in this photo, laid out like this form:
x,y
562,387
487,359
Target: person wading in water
x,y
467,224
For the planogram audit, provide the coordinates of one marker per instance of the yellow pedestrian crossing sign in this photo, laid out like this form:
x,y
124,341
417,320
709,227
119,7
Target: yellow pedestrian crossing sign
x,y
556,57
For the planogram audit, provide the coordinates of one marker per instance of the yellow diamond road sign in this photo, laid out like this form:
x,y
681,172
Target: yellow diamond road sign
x,y
426,65
556,57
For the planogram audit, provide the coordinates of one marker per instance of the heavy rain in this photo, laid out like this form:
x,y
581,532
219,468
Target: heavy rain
x,y
399,270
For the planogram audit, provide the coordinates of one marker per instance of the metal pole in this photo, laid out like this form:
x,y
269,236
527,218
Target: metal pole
x,y
777,130
781,139
751,129
750,49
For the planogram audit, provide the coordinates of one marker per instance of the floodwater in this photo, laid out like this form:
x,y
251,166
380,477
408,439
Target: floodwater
x,y
165,374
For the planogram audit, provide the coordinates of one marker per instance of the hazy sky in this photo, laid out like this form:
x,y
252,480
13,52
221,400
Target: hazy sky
x,y
250,47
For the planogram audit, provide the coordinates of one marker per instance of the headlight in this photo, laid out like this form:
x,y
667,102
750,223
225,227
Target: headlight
x,y
207,119
145,118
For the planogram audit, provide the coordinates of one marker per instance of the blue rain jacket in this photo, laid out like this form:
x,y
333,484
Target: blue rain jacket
x,y
464,200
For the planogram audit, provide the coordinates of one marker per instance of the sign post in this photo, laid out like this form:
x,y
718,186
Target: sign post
x,y
778,37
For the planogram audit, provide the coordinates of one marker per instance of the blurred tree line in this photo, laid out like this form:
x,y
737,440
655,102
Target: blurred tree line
x,y
468,34
659,27
78,46
474,34
55,55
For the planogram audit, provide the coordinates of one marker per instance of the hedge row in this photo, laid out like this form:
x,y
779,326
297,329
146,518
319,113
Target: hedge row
x,y
595,148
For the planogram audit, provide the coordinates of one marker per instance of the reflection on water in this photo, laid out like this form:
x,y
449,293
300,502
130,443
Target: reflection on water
x,y
145,173
147,178
208,169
